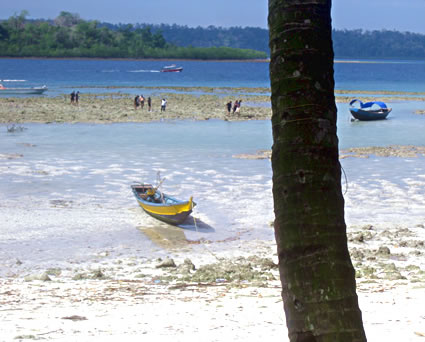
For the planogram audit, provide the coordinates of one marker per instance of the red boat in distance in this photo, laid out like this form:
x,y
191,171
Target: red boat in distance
x,y
172,68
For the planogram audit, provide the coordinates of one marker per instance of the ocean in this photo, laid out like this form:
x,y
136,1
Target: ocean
x,y
65,192
62,75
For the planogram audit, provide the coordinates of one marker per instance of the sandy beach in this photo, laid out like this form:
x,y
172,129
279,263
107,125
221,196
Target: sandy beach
x,y
222,291
212,294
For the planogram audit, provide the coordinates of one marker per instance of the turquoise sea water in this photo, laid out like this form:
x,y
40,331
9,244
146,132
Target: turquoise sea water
x,y
65,188
59,75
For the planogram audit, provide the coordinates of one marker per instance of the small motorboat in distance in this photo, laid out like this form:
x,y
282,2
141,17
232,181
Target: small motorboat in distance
x,y
161,206
172,68
369,111
32,90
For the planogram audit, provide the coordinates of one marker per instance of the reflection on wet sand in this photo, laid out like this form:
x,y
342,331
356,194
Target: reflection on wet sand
x,y
166,236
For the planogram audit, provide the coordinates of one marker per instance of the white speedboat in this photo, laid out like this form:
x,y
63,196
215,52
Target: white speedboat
x,y
23,90
172,68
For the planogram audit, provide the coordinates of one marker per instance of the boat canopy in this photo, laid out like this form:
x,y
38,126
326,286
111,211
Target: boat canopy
x,y
369,104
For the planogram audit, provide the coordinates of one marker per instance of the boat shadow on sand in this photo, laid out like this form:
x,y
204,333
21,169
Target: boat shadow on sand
x,y
197,225
172,237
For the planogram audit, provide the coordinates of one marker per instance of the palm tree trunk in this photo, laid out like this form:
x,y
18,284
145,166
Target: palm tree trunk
x,y
318,283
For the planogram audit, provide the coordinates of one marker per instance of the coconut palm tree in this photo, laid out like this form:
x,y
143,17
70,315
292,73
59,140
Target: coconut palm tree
x,y
317,276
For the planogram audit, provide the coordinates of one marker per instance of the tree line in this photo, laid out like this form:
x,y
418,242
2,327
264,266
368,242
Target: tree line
x,y
346,43
378,44
70,36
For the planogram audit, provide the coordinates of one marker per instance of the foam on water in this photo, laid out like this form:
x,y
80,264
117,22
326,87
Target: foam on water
x,y
390,191
66,198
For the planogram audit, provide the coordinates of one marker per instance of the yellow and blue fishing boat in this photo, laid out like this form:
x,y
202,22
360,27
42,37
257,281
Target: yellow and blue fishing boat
x,y
160,205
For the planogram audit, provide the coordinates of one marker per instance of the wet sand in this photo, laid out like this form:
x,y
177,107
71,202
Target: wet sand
x,y
184,103
216,295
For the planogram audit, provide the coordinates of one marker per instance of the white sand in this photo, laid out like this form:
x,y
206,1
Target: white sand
x,y
127,308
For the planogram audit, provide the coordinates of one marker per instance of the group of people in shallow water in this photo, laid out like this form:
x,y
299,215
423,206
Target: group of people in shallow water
x,y
235,108
75,96
139,101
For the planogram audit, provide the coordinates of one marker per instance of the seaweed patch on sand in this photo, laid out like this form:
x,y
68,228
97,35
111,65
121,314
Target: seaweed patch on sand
x,y
387,151
401,151
184,103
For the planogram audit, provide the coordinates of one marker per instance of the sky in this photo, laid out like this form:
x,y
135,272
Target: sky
x,y
400,15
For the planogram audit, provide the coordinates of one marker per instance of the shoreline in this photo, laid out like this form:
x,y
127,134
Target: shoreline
x,y
254,60
234,292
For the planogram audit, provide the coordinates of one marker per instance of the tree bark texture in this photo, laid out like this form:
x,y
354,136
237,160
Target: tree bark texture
x,y
318,279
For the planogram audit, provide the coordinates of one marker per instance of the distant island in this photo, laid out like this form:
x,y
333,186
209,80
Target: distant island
x,y
70,36
347,43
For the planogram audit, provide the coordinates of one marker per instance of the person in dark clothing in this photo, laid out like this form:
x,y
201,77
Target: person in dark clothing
x,y
235,106
238,109
229,106
72,97
149,104
77,97
136,102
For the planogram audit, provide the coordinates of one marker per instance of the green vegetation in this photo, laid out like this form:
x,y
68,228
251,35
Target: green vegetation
x,y
346,43
254,38
70,36
378,44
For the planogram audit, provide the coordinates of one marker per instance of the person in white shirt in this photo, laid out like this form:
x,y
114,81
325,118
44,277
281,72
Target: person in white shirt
x,y
163,105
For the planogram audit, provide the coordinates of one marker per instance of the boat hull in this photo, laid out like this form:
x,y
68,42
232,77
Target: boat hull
x,y
178,69
170,210
35,90
367,115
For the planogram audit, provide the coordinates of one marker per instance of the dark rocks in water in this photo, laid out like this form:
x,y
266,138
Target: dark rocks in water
x,y
412,244
356,254
265,264
98,274
392,273
54,272
11,156
186,268
237,270
368,272
384,251
45,277
166,263
15,128
189,264
75,318
361,237
41,277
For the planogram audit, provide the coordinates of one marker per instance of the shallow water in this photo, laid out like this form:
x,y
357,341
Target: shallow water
x,y
66,196
65,193
69,195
